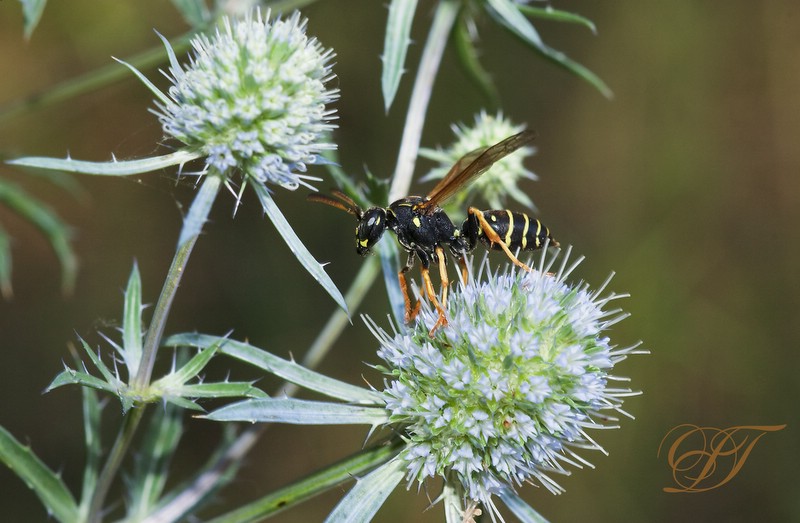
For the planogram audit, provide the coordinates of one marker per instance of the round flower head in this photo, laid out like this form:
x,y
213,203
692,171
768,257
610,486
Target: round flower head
x,y
253,99
501,180
510,387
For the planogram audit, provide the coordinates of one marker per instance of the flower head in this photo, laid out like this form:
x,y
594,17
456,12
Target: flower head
x,y
508,390
501,180
253,98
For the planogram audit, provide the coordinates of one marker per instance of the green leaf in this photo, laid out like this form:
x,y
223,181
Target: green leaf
x,y
288,370
5,265
468,59
193,11
395,47
296,245
226,389
94,448
369,493
548,13
112,168
188,496
132,322
183,403
188,371
299,412
44,482
312,485
150,470
201,207
74,377
32,12
507,13
524,512
163,98
55,230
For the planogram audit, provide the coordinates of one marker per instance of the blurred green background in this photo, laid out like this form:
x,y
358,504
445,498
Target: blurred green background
x,y
685,184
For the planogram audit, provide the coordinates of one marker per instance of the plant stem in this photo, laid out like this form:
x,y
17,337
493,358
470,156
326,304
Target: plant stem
x,y
329,477
115,457
198,213
443,21
208,481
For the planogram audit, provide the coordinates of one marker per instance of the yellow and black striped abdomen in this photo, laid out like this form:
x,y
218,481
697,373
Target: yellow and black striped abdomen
x,y
516,230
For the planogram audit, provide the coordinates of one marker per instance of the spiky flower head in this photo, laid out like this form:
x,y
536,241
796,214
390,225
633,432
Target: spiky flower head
x,y
510,388
253,99
501,180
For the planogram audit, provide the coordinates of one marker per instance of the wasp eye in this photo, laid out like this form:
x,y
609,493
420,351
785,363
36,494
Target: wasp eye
x,y
370,229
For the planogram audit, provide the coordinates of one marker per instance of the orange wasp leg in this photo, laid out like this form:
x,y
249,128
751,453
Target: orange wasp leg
x,y
431,293
495,238
410,313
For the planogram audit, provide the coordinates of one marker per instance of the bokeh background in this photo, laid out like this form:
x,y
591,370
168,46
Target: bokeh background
x,y
685,184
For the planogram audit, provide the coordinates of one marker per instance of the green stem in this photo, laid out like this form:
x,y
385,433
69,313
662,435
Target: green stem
x,y
115,457
443,21
198,213
207,482
92,80
325,479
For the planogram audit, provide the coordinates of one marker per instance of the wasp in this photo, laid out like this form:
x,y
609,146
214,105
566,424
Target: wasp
x,y
425,231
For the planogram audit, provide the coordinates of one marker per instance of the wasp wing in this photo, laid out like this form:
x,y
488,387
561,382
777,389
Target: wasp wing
x,y
472,165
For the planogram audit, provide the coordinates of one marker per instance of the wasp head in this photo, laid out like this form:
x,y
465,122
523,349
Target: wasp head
x,y
371,225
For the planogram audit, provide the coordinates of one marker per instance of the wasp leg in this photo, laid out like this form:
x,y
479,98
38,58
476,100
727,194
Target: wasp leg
x,y
410,313
462,262
493,237
429,291
443,275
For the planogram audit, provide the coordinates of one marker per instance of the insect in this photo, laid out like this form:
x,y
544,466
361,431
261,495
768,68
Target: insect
x,y
425,231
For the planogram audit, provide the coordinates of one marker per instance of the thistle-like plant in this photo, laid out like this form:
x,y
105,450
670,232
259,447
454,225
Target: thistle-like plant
x,y
507,393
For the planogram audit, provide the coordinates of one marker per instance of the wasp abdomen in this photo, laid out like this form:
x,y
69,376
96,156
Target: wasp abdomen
x,y
516,230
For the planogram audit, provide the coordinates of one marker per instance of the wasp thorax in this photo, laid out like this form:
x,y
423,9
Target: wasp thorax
x,y
370,229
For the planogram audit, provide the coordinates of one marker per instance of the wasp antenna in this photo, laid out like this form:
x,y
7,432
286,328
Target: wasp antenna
x,y
347,205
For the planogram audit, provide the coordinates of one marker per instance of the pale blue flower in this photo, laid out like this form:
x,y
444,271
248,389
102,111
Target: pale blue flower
x,y
505,393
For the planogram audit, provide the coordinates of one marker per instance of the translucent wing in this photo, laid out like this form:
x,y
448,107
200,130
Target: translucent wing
x,y
472,165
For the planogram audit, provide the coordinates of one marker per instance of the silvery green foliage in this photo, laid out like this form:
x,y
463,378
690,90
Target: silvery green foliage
x,y
253,98
506,392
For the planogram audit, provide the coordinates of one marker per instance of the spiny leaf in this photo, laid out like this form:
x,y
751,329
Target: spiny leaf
x,y
395,47
150,469
300,412
112,168
221,390
468,58
132,322
94,447
507,13
522,510
280,367
44,482
369,493
548,13
296,245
